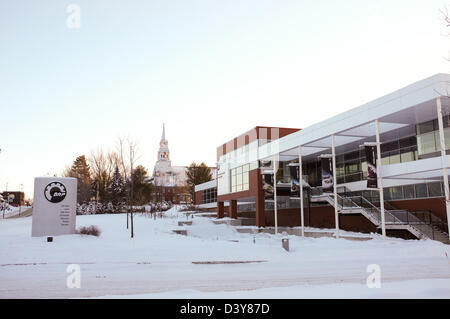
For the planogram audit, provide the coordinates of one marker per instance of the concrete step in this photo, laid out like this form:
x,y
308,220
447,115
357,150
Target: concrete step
x,y
180,231
185,223
298,232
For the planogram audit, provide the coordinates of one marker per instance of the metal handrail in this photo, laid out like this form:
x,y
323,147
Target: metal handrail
x,y
424,222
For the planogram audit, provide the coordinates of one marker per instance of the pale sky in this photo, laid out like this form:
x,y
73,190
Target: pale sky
x,y
209,69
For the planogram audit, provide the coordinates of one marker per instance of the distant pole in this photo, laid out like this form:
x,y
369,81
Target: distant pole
x,y
380,180
443,163
128,208
275,206
336,210
131,200
20,201
96,197
300,182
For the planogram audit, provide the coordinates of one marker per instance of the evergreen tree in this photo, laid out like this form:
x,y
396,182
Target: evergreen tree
x,y
117,188
81,171
197,174
142,189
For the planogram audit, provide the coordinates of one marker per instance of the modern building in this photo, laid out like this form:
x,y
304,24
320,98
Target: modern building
x,y
405,128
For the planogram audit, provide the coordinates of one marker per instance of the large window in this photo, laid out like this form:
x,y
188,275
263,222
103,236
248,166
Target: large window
x,y
428,139
434,189
352,166
240,178
426,143
209,195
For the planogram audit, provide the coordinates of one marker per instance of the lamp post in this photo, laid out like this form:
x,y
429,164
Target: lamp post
x,y
275,203
20,201
443,155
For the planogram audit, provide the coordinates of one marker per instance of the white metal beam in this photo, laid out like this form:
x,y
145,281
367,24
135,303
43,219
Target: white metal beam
x,y
300,184
336,210
444,167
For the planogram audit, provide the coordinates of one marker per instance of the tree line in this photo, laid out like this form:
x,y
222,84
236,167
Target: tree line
x,y
110,176
113,179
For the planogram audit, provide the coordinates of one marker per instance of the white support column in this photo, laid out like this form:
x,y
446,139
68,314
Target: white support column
x,y
336,210
275,204
380,180
300,181
444,168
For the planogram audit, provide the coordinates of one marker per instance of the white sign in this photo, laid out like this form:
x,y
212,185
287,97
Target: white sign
x,y
54,206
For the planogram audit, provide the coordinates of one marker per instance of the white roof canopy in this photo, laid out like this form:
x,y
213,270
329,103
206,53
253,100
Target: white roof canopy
x,y
399,110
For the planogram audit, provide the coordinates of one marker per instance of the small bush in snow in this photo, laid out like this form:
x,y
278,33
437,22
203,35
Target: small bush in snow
x,y
89,230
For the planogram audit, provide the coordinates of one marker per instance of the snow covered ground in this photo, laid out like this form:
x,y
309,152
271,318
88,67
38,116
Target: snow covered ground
x,y
11,211
411,289
158,263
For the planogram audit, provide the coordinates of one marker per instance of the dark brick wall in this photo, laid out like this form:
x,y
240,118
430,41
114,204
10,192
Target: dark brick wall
x,y
435,205
321,217
198,198
399,233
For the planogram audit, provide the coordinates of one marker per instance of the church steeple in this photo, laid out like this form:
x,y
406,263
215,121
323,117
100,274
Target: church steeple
x,y
163,153
163,137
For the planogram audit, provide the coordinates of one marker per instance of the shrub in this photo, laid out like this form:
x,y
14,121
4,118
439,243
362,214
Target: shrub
x,y
89,230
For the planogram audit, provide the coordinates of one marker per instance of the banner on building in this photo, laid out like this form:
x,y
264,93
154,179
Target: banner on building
x,y
267,184
265,164
372,176
295,185
327,175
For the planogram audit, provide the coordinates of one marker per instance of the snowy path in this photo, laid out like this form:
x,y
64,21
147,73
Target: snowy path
x,y
157,261
13,212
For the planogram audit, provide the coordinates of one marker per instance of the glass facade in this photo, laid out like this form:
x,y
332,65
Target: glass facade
x,y
209,195
240,178
421,141
242,155
424,190
428,140
352,166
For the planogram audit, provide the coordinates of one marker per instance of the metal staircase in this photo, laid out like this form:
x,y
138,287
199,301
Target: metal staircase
x,y
420,224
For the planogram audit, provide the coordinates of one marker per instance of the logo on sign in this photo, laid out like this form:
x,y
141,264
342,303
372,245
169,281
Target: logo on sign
x,y
55,192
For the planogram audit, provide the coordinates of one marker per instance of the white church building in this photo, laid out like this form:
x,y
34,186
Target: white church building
x,y
169,180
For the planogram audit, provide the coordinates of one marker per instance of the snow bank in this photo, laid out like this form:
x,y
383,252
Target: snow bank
x,y
158,262
411,289
11,211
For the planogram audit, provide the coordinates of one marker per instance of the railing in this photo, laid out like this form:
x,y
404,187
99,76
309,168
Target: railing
x,y
360,202
315,191
424,222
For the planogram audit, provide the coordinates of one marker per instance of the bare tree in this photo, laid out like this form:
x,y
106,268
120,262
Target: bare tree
x,y
103,163
67,171
97,162
446,16
113,159
122,161
133,156
446,19
128,155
